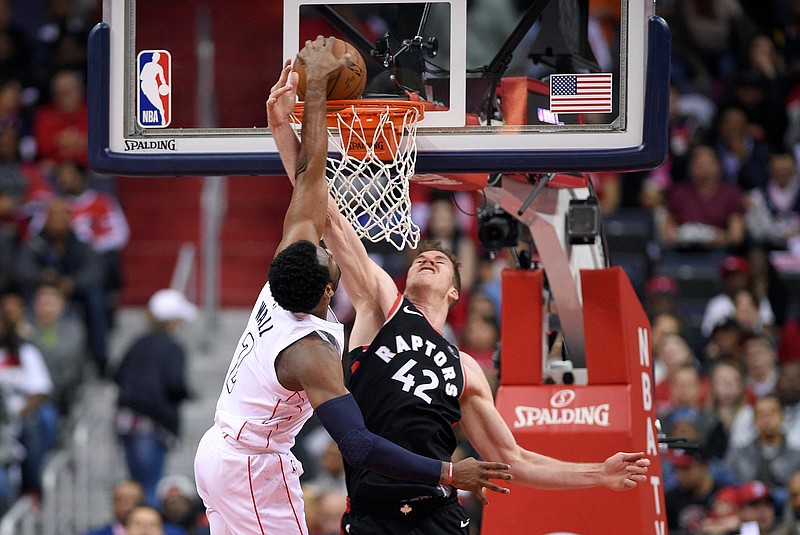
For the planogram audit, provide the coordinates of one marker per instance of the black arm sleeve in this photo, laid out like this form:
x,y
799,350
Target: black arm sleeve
x,y
363,449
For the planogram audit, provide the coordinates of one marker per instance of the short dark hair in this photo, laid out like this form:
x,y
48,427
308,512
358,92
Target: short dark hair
x,y
296,277
431,245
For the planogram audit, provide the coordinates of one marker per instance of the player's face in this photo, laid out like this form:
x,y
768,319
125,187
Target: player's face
x,y
326,257
433,269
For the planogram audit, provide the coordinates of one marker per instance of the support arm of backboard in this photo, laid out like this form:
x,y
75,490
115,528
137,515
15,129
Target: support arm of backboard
x,y
554,258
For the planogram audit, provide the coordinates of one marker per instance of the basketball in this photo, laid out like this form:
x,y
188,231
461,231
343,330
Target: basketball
x,y
348,83
163,89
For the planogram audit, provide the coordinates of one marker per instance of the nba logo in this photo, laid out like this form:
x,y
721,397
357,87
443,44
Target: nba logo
x,y
154,101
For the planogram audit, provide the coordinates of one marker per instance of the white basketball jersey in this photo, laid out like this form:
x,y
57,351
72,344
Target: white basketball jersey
x,y
254,411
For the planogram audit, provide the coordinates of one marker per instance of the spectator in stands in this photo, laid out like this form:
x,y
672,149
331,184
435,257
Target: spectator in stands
x,y
689,117
687,424
57,256
735,273
689,502
61,337
757,505
687,405
773,215
14,308
152,384
661,296
791,521
126,497
672,355
769,284
331,504
730,401
144,520
748,316
26,385
723,518
181,506
744,158
30,182
97,219
706,213
725,344
331,471
760,89
768,457
760,364
61,128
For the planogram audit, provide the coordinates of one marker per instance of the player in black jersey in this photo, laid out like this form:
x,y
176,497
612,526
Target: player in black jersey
x,y
412,386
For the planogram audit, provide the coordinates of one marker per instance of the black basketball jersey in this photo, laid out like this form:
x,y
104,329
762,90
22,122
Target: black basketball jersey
x,y
408,383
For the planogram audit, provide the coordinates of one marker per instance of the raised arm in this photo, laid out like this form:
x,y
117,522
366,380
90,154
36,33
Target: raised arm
x,y
305,217
370,288
372,291
280,106
492,439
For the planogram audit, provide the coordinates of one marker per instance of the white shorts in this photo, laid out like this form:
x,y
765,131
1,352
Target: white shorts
x,y
249,494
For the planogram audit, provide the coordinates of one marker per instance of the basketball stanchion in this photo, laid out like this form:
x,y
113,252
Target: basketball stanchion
x,y
368,175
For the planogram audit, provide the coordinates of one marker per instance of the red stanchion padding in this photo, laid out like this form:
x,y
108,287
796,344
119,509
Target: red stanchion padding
x,y
589,423
521,327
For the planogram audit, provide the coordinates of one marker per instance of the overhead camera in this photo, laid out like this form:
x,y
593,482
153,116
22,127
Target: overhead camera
x,y
497,228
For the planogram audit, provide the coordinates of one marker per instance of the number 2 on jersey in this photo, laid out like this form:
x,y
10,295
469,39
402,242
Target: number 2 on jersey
x,y
408,380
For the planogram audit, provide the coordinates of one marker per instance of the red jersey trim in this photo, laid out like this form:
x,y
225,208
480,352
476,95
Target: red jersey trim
x,y
253,495
395,306
289,496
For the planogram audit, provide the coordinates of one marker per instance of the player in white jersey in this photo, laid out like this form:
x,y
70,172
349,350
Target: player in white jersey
x,y
288,361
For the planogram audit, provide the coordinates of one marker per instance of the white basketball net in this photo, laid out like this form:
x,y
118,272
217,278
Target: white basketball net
x,y
369,179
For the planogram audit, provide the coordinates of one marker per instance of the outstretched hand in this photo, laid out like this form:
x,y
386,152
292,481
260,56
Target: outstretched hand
x,y
473,475
282,97
623,471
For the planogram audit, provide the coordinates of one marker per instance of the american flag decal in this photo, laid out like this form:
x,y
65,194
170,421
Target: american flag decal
x,y
580,93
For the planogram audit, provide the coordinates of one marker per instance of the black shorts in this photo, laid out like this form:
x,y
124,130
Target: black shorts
x,y
446,517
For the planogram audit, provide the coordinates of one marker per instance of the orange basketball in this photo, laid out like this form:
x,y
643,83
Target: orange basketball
x,y
348,83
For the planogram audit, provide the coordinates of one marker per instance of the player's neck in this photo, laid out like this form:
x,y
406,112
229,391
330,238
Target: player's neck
x,y
434,312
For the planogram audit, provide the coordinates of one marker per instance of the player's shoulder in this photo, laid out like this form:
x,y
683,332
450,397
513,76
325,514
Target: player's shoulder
x,y
318,342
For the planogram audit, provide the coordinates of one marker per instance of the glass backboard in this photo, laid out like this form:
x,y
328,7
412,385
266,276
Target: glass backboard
x,y
514,87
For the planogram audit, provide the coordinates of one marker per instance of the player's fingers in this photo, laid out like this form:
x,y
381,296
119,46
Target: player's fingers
x,y
481,494
495,487
632,457
276,94
638,478
633,469
286,74
498,475
643,462
488,465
